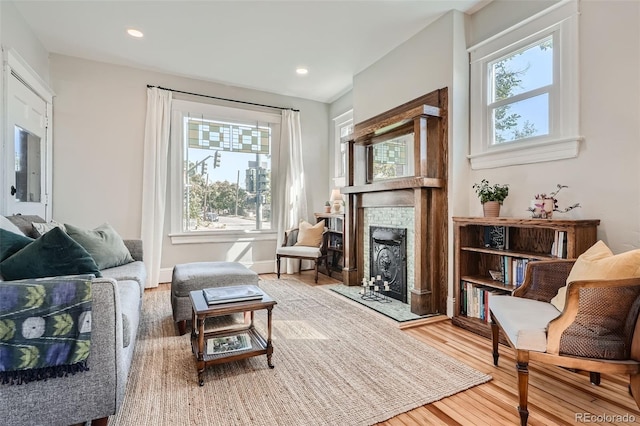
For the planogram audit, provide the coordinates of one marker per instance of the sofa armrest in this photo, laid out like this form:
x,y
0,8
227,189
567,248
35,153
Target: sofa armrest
x,y
83,396
135,248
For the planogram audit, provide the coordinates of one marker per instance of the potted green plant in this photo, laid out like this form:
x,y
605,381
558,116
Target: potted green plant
x,y
327,207
491,196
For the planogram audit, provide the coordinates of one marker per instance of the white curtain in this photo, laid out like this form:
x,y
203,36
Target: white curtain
x,y
292,201
154,179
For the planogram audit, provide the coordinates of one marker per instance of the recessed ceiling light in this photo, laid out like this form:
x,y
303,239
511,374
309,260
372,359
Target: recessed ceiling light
x,y
135,33
302,71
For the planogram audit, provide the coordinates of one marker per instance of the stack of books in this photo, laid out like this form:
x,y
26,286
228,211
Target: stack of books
x,y
241,293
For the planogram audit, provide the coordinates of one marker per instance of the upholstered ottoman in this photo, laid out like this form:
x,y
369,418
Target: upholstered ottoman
x,y
200,275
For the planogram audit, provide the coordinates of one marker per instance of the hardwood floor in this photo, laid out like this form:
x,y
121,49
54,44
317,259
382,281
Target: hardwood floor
x,y
556,396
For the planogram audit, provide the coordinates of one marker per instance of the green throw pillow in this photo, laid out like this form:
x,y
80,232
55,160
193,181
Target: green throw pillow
x,y
103,244
53,254
11,243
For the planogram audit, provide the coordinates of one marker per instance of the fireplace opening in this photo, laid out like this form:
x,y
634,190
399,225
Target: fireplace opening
x,y
388,259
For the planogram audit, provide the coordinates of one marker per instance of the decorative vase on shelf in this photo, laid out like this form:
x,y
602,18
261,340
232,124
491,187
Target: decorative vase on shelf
x,y
491,208
542,208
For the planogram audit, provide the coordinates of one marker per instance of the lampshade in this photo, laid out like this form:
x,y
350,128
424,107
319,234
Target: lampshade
x,y
335,195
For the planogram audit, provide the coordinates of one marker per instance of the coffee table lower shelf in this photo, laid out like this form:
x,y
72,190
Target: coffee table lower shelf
x,y
258,346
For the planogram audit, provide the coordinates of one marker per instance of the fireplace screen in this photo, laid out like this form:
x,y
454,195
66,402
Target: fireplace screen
x,y
388,259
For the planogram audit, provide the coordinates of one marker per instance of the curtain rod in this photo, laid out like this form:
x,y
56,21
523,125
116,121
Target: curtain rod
x,y
220,99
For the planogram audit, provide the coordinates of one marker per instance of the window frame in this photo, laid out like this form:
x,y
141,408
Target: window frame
x,y
561,22
179,110
342,120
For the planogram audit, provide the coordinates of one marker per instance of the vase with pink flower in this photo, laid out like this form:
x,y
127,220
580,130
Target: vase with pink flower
x,y
543,205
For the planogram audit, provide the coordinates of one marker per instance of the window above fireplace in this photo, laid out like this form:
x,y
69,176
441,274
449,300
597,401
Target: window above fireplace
x,y
392,158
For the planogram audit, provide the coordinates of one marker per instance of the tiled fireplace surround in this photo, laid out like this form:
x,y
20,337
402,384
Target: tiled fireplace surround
x,y
395,217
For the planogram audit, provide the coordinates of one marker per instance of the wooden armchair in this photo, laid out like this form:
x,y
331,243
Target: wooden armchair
x,y
315,253
595,332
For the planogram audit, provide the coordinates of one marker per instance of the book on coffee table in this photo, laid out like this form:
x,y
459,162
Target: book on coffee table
x,y
221,345
230,294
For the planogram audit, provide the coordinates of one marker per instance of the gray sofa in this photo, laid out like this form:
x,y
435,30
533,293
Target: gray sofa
x,y
98,393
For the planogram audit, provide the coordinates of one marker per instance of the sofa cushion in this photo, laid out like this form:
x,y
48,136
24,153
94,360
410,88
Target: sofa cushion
x,y
53,254
103,244
11,243
310,235
599,262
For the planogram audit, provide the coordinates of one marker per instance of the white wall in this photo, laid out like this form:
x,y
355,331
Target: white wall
x,y
16,34
605,177
99,115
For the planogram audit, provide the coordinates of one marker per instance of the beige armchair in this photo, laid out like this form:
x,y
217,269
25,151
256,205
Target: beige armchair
x,y
594,332
292,248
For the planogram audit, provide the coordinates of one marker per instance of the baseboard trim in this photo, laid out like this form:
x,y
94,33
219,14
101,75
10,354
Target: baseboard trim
x,y
261,267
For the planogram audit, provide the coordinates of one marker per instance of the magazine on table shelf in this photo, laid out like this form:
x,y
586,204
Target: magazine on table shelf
x,y
230,294
222,345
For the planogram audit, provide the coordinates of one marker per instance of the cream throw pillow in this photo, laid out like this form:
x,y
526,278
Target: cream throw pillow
x,y
599,262
310,235
42,228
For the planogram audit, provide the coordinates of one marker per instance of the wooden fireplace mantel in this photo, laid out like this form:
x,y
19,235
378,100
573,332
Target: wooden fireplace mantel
x,y
425,192
395,184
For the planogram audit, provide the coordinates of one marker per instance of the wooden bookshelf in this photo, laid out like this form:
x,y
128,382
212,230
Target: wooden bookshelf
x,y
335,223
524,240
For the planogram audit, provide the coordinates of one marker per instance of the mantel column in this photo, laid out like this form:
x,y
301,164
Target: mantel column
x,y
422,294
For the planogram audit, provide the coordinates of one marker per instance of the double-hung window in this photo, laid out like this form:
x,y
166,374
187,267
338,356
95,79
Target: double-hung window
x,y
222,172
524,92
343,126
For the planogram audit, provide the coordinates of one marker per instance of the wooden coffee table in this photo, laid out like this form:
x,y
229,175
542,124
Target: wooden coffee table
x,y
199,337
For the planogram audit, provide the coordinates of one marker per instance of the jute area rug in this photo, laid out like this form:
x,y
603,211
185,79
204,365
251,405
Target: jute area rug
x,y
336,363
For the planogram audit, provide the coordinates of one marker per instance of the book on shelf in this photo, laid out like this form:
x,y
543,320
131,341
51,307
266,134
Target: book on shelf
x,y
474,300
226,344
496,237
559,247
240,293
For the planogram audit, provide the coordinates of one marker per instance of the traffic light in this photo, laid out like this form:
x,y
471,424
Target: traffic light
x,y
250,180
216,159
263,179
203,167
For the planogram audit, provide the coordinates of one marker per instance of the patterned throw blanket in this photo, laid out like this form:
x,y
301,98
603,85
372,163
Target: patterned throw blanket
x,y
45,328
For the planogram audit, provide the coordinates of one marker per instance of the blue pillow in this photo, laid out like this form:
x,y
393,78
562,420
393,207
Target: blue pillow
x,y
53,254
11,243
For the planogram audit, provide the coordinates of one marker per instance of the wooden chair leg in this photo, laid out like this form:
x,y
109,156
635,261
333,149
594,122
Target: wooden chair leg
x,y
594,378
495,336
316,265
278,266
522,365
299,266
326,265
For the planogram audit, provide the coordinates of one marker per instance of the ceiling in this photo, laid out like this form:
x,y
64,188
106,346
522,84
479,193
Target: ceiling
x,y
250,44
